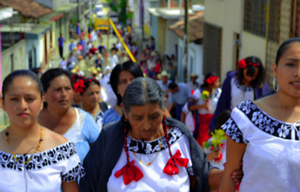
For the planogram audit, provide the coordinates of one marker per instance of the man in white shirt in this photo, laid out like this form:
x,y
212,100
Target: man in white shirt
x,y
113,58
193,84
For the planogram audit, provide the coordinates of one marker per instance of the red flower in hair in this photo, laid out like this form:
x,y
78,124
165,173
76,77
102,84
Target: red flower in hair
x,y
79,86
211,80
242,64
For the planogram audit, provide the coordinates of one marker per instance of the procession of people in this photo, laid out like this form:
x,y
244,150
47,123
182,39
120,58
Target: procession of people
x,y
98,121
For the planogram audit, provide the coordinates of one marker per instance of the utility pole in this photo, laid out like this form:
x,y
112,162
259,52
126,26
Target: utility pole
x,y
142,11
78,11
186,38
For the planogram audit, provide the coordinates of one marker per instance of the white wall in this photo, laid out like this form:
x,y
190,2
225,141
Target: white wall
x,y
228,15
253,45
19,58
172,38
196,52
42,48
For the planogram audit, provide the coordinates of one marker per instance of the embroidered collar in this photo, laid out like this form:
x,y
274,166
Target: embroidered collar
x,y
149,147
39,160
268,124
241,87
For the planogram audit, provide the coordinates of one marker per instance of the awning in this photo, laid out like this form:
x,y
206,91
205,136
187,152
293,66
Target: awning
x,y
25,28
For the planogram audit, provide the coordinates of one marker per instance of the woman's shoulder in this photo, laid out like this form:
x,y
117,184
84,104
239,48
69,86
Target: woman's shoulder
x,y
53,139
110,115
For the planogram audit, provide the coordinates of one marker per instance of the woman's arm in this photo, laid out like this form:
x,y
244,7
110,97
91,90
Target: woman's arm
x,y
234,154
214,179
196,107
182,117
70,186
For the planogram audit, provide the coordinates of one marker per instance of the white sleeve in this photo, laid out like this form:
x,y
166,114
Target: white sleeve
x,y
73,168
185,108
197,94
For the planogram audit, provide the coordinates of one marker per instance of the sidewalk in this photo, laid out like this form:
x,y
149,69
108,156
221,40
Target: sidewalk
x,y
57,58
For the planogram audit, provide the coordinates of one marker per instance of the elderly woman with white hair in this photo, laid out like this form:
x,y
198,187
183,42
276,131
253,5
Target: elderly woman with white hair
x,y
147,151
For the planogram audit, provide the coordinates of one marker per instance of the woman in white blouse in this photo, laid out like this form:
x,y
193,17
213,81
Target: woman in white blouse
x,y
145,151
32,157
265,133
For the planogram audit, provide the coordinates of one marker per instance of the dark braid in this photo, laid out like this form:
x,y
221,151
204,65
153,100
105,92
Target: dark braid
x,y
126,128
166,135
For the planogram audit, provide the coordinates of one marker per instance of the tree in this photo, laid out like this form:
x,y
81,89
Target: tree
x,y
120,7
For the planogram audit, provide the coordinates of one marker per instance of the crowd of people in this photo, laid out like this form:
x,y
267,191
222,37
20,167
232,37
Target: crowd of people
x,y
133,127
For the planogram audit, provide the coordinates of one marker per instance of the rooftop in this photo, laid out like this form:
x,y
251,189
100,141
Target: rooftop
x,y
27,8
195,27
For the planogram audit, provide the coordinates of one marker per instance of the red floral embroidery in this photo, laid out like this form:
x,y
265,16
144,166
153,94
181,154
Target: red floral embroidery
x,y
130,173
211,80
171,168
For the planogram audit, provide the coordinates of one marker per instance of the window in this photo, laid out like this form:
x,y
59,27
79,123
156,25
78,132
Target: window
x,y
295,19
255,17
212,42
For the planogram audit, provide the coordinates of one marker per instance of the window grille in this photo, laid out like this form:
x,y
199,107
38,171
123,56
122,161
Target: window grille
x,y
212,42
255,16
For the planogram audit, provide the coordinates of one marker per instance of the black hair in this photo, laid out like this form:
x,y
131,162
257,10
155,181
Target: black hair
x,y
35,70
172,86
284,46
143,90
209,74
222,118
261,77
88,82
21,73
129,66
51,74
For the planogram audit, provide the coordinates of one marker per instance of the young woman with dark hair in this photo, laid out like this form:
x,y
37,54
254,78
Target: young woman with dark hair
x,y
32,157
146,151
264,134
120,78
89,90
247,83
73,123
205,100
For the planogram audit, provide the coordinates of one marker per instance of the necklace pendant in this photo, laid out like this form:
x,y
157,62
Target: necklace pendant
x,y
149,163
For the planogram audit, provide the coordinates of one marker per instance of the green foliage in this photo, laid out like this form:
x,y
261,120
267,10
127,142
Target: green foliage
x,y
120,7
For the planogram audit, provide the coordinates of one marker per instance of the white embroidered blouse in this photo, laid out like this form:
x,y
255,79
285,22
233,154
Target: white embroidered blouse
x,y
271,160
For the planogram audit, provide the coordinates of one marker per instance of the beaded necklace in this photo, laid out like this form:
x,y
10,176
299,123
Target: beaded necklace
x,y
36,149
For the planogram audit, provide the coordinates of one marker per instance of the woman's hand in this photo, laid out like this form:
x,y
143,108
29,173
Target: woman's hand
x,y
213,155
237,175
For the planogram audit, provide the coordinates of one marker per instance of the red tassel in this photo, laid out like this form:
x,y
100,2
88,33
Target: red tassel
x,y
130,172
171,168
